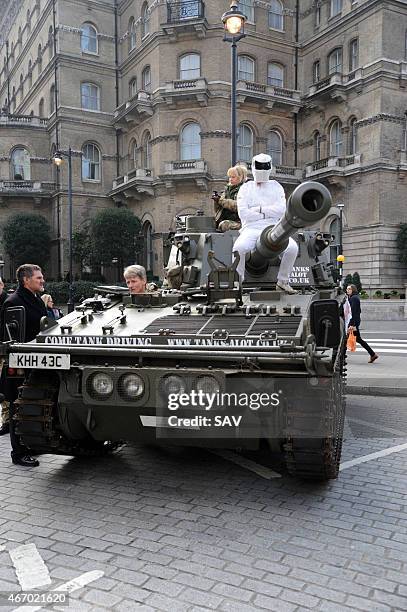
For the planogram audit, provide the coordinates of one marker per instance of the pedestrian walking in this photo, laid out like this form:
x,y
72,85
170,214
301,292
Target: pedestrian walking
x,y
354,321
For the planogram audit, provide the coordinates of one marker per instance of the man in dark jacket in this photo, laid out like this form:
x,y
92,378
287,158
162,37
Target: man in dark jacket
x,y
354,322
30,284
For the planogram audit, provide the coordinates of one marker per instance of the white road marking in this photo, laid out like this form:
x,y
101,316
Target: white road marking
x,y
248,464
383,453
67,587
30,568
384,350
396,432
386,340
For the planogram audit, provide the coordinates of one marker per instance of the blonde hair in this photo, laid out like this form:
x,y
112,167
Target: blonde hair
x,y
135,270
46,297
240,170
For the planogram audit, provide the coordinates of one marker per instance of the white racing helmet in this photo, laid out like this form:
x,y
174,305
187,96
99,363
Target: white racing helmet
x,y
261,168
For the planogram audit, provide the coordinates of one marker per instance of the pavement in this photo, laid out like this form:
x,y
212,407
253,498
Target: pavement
x,y
388,375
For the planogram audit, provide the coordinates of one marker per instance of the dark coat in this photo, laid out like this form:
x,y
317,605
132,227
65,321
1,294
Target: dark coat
x,y
354,302
34,310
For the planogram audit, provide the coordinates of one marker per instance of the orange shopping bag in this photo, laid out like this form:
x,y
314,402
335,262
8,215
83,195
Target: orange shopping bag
x,y
351,342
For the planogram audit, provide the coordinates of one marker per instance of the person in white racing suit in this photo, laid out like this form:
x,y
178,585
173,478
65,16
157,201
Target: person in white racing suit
x,y
260,203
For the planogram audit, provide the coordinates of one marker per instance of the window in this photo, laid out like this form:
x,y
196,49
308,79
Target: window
x,y
50,42
146,79
336,7
317,146
275,75
20,165
191,141
353,54
353,144
89,39
245,143
133,87
245,70
21,87
135,154
145,20
52,99
275,147
90,96
90,163
147,152
30,74
335,61
39,59
276,19
28,21
316,71
41,108
132,35
317,16
247,8
335,139
190,66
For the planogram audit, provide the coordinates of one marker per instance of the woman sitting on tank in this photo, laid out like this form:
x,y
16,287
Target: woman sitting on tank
x,y
226,215
135,277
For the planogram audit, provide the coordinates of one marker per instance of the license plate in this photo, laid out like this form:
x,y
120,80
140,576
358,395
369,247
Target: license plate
x,y
46,361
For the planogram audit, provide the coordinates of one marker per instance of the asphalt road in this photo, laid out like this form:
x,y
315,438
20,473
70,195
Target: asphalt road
x,y
152,529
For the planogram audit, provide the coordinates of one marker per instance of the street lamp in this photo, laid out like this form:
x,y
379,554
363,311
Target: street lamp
x,y
233,21
58,160
341,257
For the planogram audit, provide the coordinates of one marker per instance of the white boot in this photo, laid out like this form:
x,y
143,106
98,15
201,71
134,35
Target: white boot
x,y
284,286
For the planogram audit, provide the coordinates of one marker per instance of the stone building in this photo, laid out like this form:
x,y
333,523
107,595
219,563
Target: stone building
x,y
140,91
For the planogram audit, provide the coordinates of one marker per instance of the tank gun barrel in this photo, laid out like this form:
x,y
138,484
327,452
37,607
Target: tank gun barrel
x,y
309,203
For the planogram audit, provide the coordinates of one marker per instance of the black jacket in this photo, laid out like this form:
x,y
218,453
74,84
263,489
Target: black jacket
x,y
34,310
3,297
354,302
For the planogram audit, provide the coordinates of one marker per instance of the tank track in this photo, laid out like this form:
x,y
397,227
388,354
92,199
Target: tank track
x,y
319,458
36,421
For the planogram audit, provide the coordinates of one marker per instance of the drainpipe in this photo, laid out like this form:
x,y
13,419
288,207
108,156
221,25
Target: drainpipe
x,y
116,62
8,78
297,22
58,202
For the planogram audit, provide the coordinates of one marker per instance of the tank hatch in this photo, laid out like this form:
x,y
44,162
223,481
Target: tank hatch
x,y
236,325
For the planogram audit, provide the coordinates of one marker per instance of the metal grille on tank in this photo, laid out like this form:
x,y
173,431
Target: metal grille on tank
x,y
235,325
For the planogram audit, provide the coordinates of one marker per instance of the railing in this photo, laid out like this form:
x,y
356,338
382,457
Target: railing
x,y
133,175
183,10
22,120
250,86
187,84
26,186
324,83
283,92
189,165
318,165
287,170
333,162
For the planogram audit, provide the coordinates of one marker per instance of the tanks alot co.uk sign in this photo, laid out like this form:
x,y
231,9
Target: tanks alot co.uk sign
x,y
301,275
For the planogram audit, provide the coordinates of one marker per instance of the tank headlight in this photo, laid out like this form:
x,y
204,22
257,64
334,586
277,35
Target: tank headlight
x,y
173,384
131,386
101,384
207,384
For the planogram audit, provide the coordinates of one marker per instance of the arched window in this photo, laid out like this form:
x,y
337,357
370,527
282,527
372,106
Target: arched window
x,y
39,59
276,19
353,142
145,20
21,87
245,143
41,107
190,66
50,42
146,79
317,146
148,246
90,96
353,54
247,8
316,71
90,162
275,147
52,99
336,7
30,74
20,165
134,154
275,75
89,38
335,139
245,70
335,61
191,141
133,87
132,34
147,152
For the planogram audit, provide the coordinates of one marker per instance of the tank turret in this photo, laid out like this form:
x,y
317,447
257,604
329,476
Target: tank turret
x,y
309,203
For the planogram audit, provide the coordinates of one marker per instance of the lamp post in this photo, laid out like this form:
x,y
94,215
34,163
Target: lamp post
x,y
341,257
58,159
233,21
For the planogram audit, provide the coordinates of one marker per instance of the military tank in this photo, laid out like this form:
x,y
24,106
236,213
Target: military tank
x,y
213,363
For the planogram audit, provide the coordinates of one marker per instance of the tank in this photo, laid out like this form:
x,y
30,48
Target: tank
x,y
212,363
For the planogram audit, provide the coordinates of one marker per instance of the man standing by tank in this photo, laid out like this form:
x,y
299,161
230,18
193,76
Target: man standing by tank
x,y
260,203
30,283
4,418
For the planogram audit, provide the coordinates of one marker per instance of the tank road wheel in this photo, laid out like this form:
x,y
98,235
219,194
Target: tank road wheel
x,y
37,423
319,458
